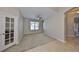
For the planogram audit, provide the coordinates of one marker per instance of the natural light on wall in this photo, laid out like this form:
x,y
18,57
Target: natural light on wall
x,y
77,11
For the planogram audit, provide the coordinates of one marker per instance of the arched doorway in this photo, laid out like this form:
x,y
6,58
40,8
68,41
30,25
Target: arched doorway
x,y
72,23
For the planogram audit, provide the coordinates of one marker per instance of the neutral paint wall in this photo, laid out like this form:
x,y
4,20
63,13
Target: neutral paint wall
x,y
62,18
26,27
9,10
55,26
20,27
70,24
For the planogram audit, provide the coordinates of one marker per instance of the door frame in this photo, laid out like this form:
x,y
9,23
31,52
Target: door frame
x,y
65,25
3,30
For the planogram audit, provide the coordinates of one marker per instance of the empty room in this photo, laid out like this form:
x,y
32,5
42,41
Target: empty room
x,y
39,29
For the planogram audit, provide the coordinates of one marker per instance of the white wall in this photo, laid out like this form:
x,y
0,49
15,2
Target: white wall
x,y
9,10
54,26
62,18
20,27
27,26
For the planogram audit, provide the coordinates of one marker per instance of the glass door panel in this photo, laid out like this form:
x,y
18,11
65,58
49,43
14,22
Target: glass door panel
x,y
12,35
6,36
9,30
36,25
7,19
12,30
12,40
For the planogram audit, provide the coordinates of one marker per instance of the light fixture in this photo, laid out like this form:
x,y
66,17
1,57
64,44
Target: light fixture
x,y
39,17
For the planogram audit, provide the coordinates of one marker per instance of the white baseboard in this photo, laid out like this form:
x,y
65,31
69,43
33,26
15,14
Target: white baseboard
x,y
63,41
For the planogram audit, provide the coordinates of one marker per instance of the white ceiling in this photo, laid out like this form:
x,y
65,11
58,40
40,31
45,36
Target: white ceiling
x,y
32,12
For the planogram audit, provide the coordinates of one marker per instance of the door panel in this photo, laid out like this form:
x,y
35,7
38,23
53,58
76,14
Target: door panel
x,y
1,40
8,31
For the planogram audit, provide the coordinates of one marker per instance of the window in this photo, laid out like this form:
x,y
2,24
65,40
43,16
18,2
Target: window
x,y
34,25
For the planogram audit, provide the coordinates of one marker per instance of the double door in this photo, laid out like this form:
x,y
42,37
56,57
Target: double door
x,y
6,32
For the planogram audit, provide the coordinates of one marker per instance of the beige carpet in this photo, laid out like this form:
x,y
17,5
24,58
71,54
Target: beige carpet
x,y
72,45
42,43
29,42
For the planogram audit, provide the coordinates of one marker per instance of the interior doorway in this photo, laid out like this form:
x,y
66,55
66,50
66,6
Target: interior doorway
x,y
72,23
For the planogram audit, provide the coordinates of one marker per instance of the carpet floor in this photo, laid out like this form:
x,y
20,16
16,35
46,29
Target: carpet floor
x,y
29,42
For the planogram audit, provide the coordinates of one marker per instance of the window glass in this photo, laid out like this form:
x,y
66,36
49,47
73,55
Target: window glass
x,y
34,25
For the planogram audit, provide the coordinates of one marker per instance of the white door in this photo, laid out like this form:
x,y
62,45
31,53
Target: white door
x,y
8,31
1,34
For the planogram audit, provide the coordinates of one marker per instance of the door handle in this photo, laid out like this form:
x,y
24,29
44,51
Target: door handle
x,y
3,33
